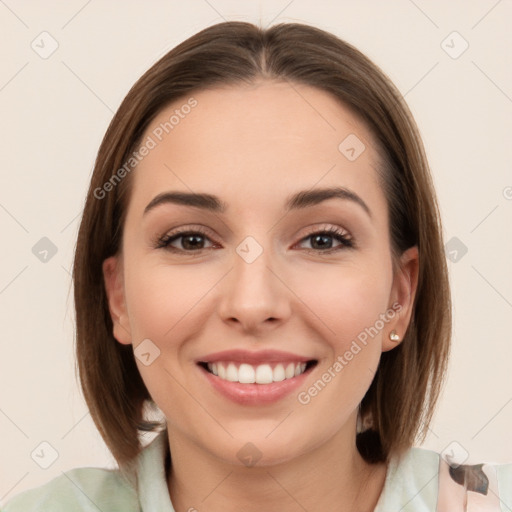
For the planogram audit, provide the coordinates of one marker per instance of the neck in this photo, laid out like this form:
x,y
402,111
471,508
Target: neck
x,y
331,477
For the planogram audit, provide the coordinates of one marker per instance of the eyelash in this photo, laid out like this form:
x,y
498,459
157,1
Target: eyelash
x,y
347,242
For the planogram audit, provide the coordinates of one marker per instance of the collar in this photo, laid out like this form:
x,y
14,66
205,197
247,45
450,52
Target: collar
x,y
152,484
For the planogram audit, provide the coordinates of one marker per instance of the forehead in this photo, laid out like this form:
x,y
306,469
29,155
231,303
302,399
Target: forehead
x,y
258,140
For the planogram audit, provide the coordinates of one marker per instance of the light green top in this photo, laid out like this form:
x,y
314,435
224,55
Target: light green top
x,y
411,486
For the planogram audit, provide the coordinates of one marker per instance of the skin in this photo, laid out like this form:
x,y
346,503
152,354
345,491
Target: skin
x,y
253,146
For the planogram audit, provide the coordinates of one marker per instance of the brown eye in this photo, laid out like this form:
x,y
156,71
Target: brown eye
x,y
193,241
188,241
321,241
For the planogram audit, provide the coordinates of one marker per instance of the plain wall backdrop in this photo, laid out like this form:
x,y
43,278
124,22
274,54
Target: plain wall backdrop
x,y
66,66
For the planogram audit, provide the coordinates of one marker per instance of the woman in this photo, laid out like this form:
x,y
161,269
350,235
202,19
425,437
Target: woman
x,y
260,259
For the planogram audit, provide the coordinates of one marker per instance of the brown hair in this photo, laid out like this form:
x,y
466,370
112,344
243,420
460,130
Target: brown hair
x,y
407,383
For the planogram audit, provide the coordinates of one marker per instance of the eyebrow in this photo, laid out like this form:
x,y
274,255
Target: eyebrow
x,y
297,201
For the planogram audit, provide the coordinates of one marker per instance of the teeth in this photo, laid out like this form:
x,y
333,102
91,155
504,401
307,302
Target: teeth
x,y
231,373
278,374
261,374
246,374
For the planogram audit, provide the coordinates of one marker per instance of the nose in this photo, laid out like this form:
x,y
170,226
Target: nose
x,y
254,297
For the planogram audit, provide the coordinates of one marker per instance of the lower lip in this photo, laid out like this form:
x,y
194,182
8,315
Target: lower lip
x,y
255,394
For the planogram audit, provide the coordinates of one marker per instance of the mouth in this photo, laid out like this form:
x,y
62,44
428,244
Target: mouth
x,y
263,374
255,383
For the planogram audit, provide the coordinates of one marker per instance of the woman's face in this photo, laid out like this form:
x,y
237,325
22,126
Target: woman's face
x,y
259,277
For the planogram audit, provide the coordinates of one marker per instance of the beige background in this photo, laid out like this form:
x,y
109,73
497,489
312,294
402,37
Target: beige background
x,y
55,110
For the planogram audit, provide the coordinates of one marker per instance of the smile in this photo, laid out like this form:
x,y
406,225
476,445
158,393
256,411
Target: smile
x,y
255,377
256,374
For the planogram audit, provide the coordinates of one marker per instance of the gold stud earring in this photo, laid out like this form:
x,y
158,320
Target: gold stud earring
x,y
393,336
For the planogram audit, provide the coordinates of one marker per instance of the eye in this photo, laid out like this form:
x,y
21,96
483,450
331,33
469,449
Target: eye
x,y
321,240
191,240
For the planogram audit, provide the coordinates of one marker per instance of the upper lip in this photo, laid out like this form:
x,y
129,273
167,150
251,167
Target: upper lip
x,y
251,357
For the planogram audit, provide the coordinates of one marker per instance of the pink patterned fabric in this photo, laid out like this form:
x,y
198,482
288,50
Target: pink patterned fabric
x,y
467,488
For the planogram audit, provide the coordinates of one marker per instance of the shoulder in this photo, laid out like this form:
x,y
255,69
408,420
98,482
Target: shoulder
x,y
504,483
411,482
80,489
421,480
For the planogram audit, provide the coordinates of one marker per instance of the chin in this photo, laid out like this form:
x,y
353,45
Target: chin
x,y
261,449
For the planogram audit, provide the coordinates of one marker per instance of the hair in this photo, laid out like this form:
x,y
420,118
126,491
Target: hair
x,y
402,396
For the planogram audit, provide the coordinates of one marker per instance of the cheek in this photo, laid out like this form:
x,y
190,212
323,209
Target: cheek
x,y
169,306
349,307
165,302
344,300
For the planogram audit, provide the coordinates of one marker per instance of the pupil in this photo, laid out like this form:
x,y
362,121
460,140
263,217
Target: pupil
x,y
194,244
193,241
325,239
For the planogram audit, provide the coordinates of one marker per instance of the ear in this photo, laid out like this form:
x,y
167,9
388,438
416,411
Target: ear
x,y
403,292
114,286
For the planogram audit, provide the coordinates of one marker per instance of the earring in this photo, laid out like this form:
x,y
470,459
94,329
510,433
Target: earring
x,y
393,336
